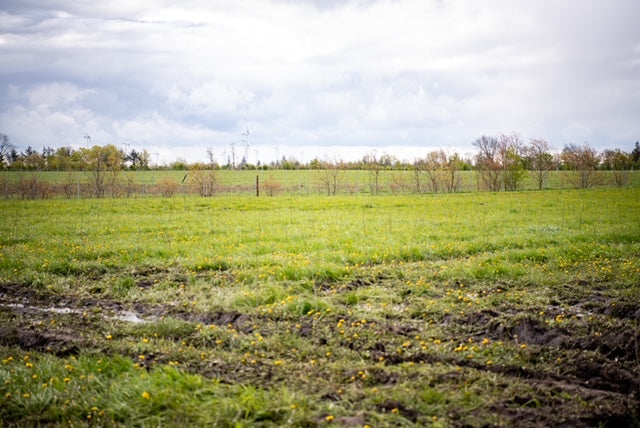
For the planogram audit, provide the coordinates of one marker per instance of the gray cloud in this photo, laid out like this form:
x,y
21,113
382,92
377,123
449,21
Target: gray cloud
x,y
403,76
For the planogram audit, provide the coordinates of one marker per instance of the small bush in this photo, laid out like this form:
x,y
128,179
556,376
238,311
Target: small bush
x,y
203,181
33,188
271,186
167,186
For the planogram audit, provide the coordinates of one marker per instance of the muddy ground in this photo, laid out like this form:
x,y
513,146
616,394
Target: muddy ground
x,y
582,373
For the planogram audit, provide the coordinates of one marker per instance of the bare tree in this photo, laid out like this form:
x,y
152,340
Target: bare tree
x,y
581,163
539,160
211,157
5,151
620,163
103,164
451,176
330,175
434,167
511,159
488,164
374,166
203,180
271,186
418,172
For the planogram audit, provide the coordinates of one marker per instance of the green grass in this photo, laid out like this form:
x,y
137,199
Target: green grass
x,y
304,311
295,182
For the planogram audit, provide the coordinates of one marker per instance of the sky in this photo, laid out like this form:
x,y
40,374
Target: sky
x,y
317,78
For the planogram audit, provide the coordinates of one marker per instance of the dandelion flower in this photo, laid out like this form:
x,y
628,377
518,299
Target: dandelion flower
x,y
146,395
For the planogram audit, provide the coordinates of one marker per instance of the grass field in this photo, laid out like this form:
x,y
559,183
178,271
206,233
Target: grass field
x,y
292,182
517,309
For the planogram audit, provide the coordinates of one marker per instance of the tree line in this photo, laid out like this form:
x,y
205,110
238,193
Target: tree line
x,y
68,159
500,162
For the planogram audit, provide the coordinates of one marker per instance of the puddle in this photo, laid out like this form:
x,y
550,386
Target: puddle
x,y
126,316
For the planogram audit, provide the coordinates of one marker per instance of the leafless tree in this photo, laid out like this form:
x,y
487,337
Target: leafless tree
x,y
540,161
620,163
511,159
5,151
271,186
489,168
375,167
203,180
581,163
451,177
211,157
104,164
418,173
330,175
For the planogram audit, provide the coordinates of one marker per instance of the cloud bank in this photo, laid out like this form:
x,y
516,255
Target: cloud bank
x,y
314,78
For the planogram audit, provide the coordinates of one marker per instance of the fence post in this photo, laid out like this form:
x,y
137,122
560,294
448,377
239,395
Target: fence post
x,y
257,185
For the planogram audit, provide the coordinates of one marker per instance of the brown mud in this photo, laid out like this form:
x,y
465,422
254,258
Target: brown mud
x,y
579,379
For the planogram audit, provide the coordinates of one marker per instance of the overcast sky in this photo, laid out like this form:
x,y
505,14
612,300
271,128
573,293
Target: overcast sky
x,y
318,77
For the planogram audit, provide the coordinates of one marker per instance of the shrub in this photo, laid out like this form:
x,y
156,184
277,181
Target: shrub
x,y
167,186
271,186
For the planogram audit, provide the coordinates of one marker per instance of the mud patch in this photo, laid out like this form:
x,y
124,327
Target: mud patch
x,y
61,343
392,406
531,332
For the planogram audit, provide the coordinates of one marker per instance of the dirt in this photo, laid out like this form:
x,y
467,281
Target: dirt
x,y
601,369
60,342
25,299
393,406
597,383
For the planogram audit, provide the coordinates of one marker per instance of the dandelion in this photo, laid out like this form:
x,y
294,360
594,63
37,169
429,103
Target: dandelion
x,y
146,395
66,380
394,410
523,346
329,418
26,395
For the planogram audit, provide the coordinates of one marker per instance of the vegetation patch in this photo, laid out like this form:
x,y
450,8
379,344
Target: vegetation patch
x,y
515,309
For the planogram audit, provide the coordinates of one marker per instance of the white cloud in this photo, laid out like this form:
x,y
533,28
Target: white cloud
x,y
314,74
